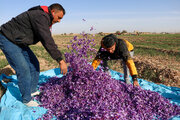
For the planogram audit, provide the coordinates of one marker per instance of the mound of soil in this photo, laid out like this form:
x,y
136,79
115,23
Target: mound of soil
x,y
157,71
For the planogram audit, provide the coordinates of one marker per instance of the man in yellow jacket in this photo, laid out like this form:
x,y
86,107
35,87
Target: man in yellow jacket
x,y
113,48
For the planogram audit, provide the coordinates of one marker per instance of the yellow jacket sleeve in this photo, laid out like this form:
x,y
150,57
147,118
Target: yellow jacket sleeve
x,y
129,45
132,67
95,63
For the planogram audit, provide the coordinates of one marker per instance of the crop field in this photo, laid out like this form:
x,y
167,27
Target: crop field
x,y
157,56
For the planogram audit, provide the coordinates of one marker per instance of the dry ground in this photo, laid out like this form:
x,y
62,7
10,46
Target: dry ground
x,y
161,71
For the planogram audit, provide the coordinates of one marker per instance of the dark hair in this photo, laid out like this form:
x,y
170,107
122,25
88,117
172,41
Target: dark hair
x,y
109,40
57,6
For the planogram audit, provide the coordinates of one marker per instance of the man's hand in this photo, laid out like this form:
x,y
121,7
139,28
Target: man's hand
x,y
63,67
135,83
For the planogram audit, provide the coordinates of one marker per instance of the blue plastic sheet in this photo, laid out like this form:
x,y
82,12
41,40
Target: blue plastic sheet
x,y
11,107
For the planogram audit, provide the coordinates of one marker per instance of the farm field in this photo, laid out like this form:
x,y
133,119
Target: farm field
x,y
157,56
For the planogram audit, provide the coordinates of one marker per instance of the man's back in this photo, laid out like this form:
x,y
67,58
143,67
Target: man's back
x,y
121,51
23,29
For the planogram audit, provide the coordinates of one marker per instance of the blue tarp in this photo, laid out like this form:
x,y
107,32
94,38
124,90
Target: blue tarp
x,y
11,107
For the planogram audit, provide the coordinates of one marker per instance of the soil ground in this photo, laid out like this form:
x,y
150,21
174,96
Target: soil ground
x,y
164,72
152,68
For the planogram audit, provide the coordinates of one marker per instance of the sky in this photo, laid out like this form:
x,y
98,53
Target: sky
x,y
104,15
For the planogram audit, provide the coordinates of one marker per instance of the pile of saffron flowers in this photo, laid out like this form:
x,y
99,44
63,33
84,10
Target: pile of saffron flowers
x,y
87,94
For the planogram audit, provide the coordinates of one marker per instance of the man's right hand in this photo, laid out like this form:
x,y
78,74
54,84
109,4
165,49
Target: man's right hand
x,y
63,67
135,83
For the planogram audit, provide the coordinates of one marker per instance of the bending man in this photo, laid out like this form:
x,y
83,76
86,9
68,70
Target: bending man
x,y
113,48
26,29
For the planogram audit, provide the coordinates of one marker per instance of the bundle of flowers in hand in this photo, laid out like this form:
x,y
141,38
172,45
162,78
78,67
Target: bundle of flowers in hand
x,y
87,94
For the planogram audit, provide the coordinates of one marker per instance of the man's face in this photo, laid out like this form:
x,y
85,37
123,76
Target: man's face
x,y
111,49
58,15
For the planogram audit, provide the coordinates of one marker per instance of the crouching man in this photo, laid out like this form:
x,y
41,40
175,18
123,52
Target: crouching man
x,y
113,48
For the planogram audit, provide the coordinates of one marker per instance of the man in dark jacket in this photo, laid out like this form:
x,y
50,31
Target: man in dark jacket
x,y
26,29
113,48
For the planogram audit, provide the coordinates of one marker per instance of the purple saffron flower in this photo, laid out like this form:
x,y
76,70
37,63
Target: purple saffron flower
x,y
91,28
93,95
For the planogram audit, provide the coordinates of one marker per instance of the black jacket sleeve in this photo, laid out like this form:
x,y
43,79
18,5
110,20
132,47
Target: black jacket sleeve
x,y
42,31
102,54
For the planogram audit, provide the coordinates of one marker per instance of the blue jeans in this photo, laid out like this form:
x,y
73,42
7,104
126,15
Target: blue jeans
x,y
26,65
125,68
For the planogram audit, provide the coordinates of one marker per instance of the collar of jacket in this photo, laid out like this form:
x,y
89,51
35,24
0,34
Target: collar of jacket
x,y
46,9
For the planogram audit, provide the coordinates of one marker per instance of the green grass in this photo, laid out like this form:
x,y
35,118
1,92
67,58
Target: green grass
x,y
3,63
175,45
166,41
40,51
171,38
160,42
149,74
155,43
1,53
153,53
158,46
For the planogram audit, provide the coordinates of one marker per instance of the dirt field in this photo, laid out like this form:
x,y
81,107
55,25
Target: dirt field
x,y
162,68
